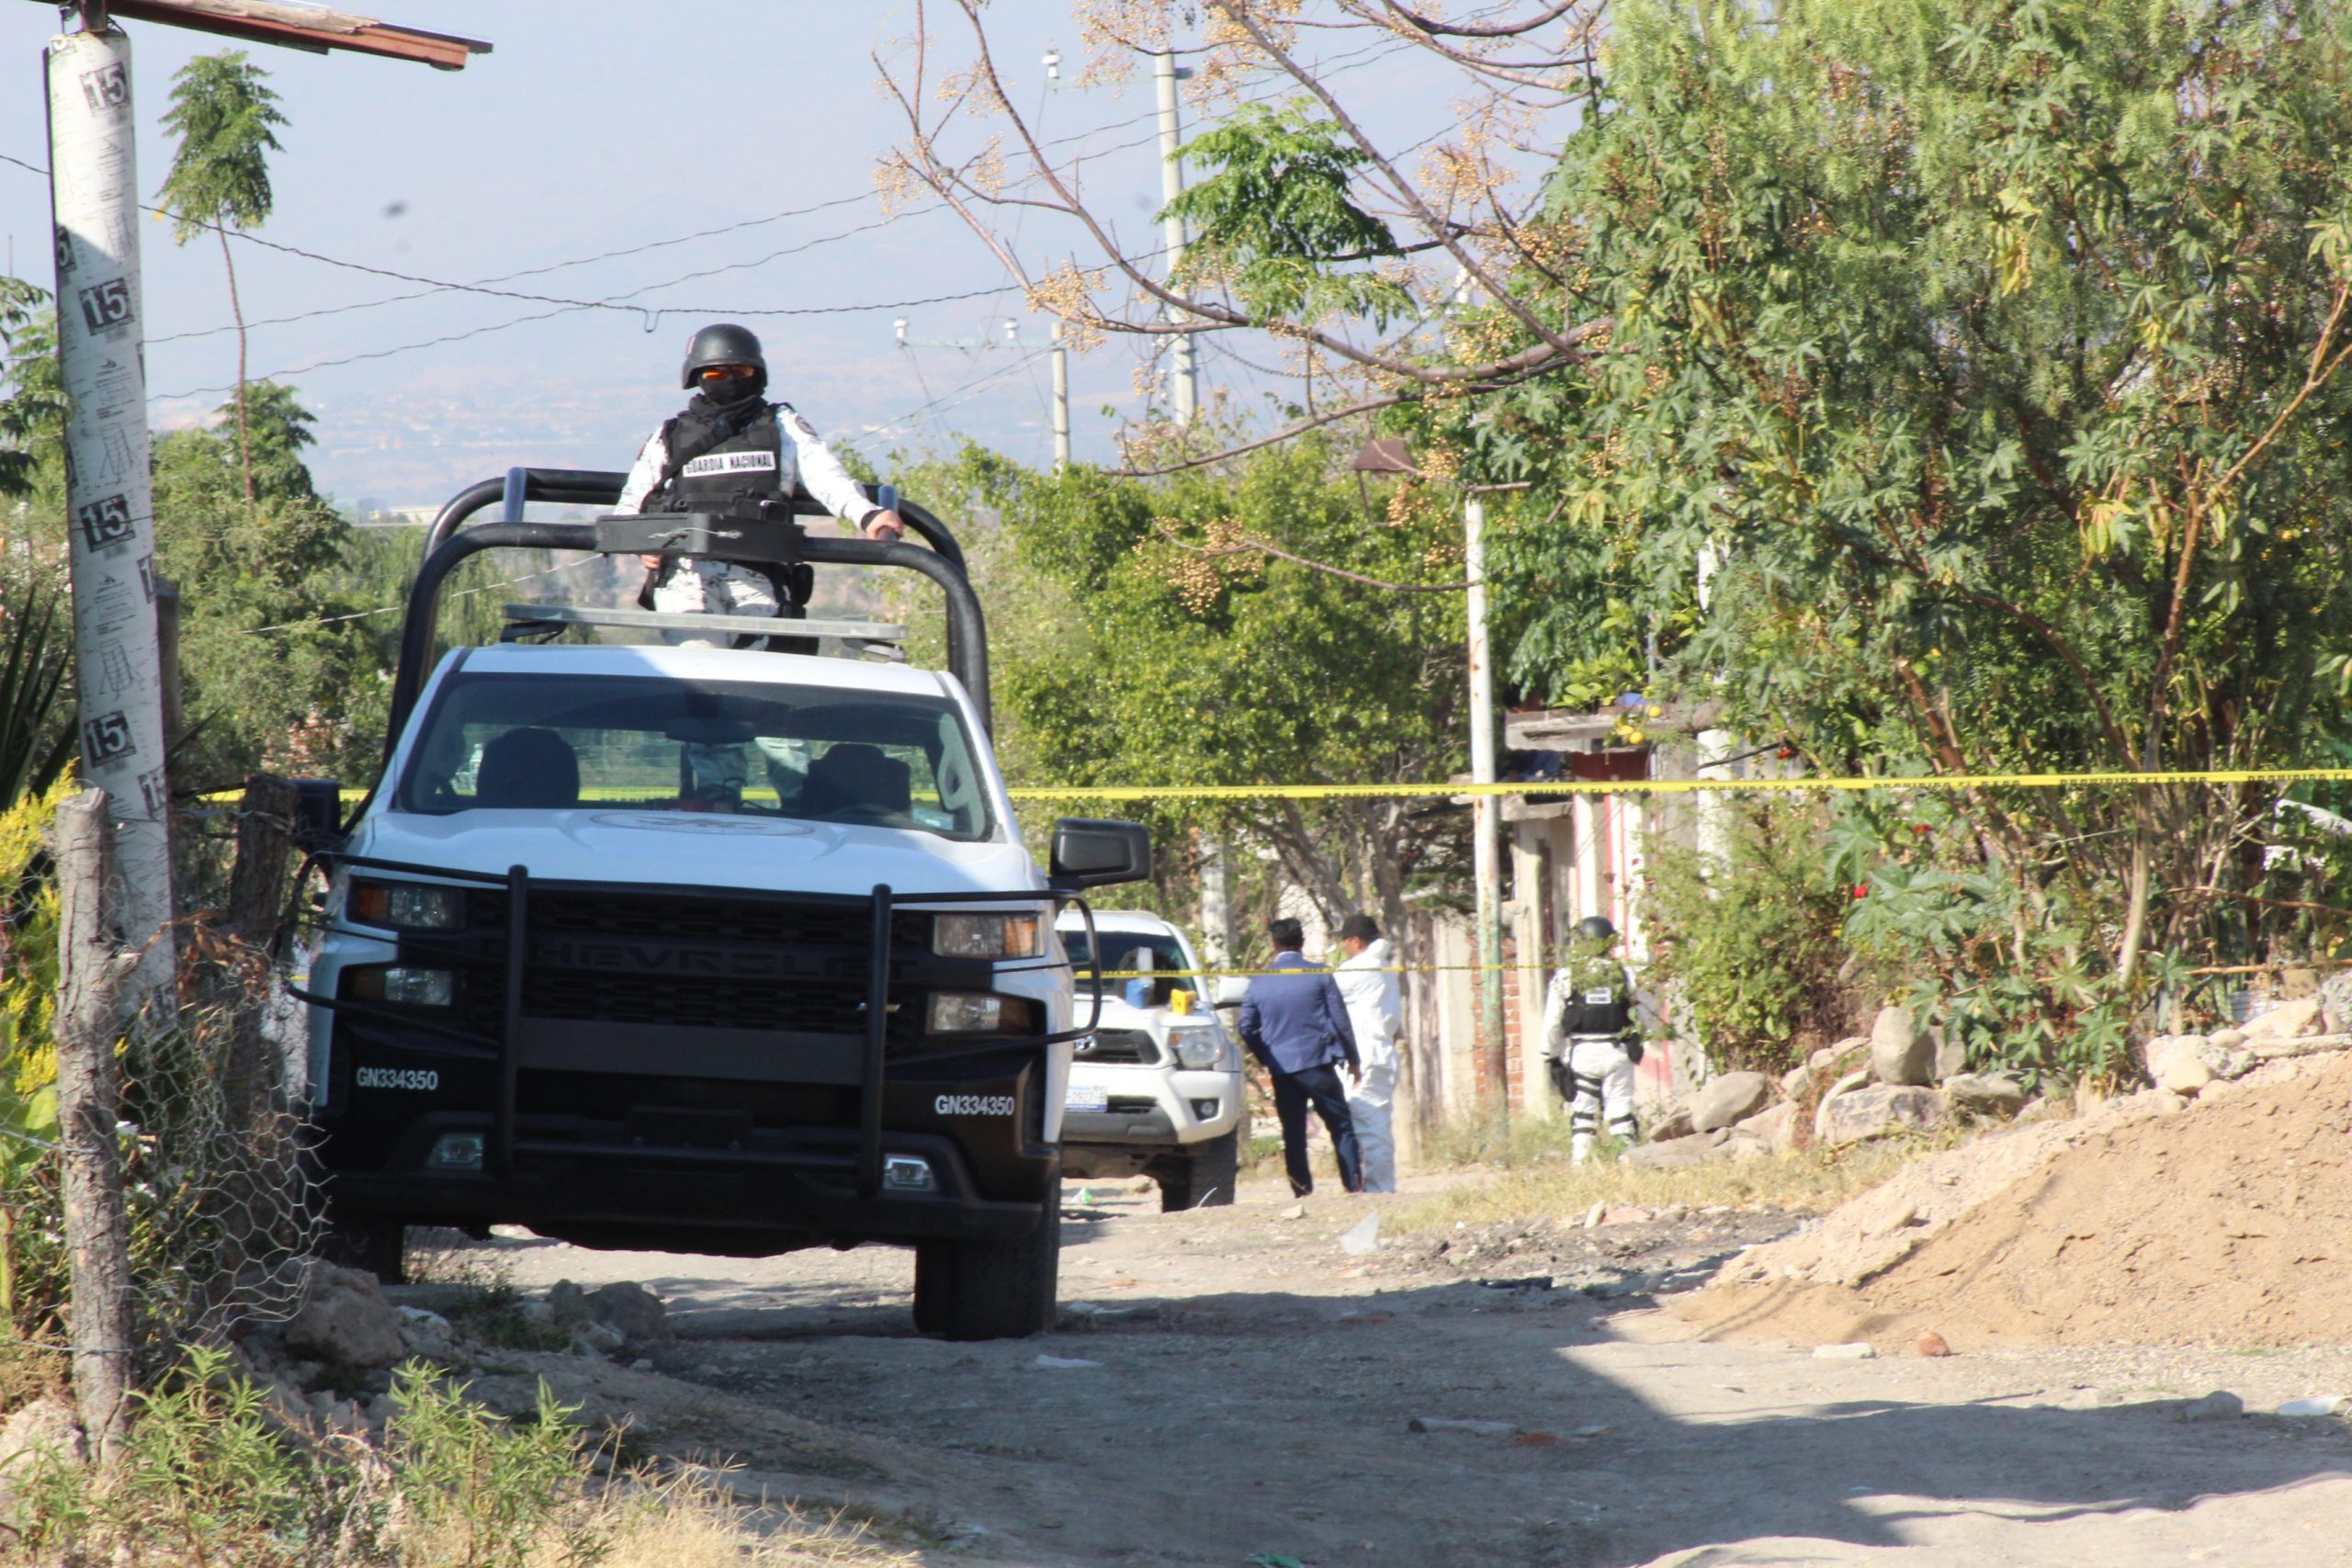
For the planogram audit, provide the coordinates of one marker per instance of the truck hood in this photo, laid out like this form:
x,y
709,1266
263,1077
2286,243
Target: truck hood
x,y
676,848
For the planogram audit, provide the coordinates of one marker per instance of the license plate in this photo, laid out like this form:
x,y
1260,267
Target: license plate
x,y
1086,1100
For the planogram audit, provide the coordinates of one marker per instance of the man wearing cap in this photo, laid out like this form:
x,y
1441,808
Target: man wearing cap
x,y
1367,982
728,451
1293,1021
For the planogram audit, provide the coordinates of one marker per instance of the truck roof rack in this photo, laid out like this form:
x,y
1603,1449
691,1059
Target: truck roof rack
x,y
865,635
771,540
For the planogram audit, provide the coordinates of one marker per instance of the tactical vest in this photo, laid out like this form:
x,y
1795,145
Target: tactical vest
x,y
710,469
1600,999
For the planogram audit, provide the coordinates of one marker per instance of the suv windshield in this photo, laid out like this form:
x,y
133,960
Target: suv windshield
x,y
548,742
1126,952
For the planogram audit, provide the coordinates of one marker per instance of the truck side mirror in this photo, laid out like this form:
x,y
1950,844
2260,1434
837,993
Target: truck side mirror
x,y
1090,853
318,814
1232,991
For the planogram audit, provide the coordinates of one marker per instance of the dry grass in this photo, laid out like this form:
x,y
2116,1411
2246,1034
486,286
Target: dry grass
x,y
1527,1182
690,1520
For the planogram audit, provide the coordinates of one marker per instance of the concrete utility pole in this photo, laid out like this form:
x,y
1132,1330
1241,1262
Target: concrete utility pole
x,y
94,192
1013,339
1061,399
94,185
1165,73
1485,809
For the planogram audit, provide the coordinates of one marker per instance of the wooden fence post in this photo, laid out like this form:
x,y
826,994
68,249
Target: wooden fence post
x,y
92,972
264,850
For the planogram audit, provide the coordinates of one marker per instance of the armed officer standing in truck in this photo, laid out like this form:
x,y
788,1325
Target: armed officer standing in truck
x,y
1591,1039
730,450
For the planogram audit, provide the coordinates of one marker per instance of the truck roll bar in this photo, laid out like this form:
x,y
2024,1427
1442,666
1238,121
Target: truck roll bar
x,y
681,533
598,487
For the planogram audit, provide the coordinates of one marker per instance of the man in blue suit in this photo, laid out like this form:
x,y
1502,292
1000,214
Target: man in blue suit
x,y
1295,1021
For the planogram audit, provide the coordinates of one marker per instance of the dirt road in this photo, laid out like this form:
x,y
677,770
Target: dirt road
x,y
1249,1387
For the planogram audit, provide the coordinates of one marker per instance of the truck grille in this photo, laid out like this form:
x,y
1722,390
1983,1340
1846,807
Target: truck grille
x,y
638,959
689,917
1120,1048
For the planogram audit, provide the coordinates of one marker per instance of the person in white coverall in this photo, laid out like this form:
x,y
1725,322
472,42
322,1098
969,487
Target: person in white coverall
x,y
1368,984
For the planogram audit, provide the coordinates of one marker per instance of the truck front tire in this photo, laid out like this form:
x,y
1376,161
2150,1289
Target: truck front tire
x,y
1201,1177
992,1290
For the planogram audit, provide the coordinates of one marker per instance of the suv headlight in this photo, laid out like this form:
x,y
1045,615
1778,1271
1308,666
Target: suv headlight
x,y
407,906
1195,1047
987,936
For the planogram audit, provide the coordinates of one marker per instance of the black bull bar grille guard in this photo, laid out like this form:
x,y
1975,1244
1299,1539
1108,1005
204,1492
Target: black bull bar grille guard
x,y
504,1047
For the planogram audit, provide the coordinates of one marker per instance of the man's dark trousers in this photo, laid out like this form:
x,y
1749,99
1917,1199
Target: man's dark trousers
x,y
1320,1088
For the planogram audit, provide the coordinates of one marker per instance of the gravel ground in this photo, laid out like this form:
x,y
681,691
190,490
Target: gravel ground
x,y
1251,1386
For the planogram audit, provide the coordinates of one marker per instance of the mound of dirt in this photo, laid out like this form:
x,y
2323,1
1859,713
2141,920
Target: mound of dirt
x,y
2228,1223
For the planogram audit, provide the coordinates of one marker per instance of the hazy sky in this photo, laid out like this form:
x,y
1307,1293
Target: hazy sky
x,y
595,126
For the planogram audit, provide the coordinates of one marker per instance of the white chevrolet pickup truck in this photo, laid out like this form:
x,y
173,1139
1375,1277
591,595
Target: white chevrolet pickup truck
x,y
1156,1089
714,948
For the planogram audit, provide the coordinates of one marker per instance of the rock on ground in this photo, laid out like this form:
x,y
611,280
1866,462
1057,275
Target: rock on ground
x,y
345,1320
1831,1061
1732,1097
1985,1094
2187,1062
637,1311
1901,1052
1675,1123
47,1425
2286,1020
1878,1111
1777,1127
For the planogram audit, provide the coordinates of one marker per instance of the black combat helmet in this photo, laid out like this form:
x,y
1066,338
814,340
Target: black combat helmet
x,y
1596,928
722,343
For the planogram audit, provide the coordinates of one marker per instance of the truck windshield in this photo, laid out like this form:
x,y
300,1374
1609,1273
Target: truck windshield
x,y
548,742
1125,954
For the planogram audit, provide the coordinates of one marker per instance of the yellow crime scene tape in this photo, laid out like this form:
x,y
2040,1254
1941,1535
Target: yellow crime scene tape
x,y
1853,784
1946,782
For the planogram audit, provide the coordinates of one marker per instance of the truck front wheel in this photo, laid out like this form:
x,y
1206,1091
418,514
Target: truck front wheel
x,y
992,1290
1201,1177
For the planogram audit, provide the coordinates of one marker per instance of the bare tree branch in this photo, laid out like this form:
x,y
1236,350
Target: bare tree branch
x,y
1258,546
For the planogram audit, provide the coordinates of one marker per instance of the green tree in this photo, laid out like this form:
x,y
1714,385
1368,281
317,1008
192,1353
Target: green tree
x,y
1991,353
32,409
220,176
1126,652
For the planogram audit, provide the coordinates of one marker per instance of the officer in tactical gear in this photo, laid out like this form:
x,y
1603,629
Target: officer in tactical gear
x,y
1590,1037
730,450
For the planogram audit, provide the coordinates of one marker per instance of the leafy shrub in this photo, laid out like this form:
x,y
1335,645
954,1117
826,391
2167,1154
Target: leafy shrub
x,y
1750,941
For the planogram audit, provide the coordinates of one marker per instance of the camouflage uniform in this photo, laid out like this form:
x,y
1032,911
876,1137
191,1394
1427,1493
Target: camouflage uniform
x,y
1590,1037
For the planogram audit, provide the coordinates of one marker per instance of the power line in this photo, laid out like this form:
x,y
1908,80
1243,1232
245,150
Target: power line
x,y
610,302
531,271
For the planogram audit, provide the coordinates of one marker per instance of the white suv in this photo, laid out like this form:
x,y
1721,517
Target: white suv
x,y
1157,1089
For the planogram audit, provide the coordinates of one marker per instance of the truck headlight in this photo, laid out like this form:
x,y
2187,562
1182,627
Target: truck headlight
x,y
401,984
967,1012
407,905
987,936
1194,1047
